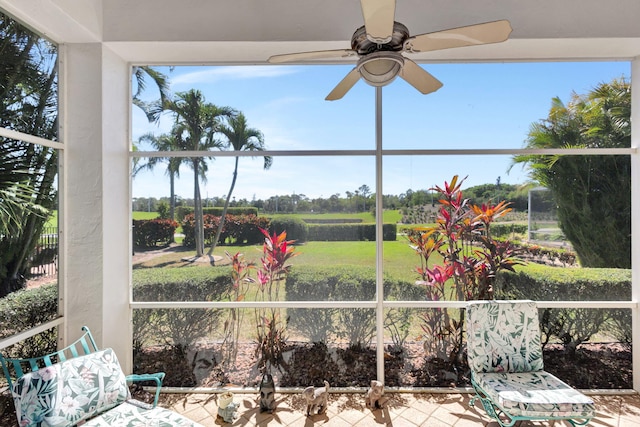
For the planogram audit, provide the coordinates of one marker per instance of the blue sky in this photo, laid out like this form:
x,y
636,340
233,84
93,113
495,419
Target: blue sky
x,y
480,106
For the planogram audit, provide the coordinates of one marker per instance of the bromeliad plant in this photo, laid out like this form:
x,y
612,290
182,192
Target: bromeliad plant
x,y
471,258
270,325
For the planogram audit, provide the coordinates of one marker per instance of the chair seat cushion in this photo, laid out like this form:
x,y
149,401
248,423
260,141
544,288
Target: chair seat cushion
x,y
534,394
131,415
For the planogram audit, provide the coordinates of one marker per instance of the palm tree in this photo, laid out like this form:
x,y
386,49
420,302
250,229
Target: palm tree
x,y
165,142
241,138
16,194
197,122
153,109
592,193
28,103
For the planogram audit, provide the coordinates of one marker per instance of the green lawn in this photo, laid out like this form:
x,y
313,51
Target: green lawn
x,y
399,259
137,215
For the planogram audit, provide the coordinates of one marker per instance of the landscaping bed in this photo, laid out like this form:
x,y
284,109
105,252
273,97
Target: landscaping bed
x,y
594,366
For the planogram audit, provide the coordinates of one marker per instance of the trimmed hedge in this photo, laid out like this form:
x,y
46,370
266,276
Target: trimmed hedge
x,y
295,227
178,327
332,220
345,283
569,284
572,326
182,211
25,309
238,229
149,233
350,232
501,229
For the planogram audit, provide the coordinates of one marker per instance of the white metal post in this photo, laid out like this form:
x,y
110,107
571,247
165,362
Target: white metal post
x,y
379,242
635,225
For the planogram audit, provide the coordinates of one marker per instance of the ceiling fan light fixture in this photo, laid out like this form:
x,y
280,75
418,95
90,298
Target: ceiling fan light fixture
x,y
380,68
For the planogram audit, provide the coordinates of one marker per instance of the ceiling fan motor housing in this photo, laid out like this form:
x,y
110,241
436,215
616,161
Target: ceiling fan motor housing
x,y
380,63
364,46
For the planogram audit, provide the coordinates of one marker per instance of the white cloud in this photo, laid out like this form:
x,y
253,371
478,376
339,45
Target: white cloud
x,y
242,72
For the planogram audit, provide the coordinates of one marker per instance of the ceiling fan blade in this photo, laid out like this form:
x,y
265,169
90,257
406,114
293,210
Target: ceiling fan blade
x,y
417,77
489,32
344,85
318,54
378,19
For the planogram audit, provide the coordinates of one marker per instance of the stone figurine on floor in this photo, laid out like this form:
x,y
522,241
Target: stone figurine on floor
x,y
267,394
374,395
316,399
227,407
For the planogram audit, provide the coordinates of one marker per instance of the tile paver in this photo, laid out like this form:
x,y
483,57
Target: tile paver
x,y
400,410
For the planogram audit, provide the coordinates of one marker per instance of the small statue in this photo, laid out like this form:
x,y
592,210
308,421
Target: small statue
x,y
267,394
316,399
374,394
227,407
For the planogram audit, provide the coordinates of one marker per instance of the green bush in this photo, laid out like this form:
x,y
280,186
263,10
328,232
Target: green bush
x,y
182,211
149,233
350,232
500,229
238,229
571,326
179,327
345,283
25,309
332,220
295,227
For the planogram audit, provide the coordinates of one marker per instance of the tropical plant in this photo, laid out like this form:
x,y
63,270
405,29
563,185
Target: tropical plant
x,y
165,142
240,138
593,193
197,122
471,259
28,104
151,109
270,325
241,281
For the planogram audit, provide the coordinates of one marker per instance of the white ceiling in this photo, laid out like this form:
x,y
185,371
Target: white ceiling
x,y
249,31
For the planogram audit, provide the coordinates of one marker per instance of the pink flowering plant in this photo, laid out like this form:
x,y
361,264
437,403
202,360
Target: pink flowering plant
x,y
241,282
277,251
459,261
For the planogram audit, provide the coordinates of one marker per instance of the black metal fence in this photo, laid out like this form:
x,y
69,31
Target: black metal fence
x,y
44,258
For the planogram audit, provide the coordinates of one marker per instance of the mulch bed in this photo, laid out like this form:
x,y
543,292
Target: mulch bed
x,y
593,366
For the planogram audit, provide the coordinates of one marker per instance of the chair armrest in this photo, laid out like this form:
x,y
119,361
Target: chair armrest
x,y
157,378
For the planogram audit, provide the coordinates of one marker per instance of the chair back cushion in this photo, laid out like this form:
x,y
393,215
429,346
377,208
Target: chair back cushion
x,y
503,336
69,392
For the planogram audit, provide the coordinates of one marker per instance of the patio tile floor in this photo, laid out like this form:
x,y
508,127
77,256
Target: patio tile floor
x,y
400,409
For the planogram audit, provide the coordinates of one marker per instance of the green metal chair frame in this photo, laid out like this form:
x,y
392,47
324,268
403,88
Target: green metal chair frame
x,y
494,409
16,368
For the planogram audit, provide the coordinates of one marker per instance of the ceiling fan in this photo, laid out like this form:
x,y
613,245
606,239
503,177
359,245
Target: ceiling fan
x,y
381,42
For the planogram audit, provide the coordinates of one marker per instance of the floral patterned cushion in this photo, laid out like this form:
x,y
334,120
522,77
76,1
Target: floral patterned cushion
x,y
69,392
535,394
129,415
503,336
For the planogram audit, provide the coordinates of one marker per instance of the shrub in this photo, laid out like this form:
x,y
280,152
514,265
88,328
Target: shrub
x,y
149,233
296,228
350,232
179,327
241,229
507,229
345,283
571,326
183,211
25,309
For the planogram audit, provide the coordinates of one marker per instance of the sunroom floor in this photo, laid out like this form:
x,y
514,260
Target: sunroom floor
x,y
399,409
